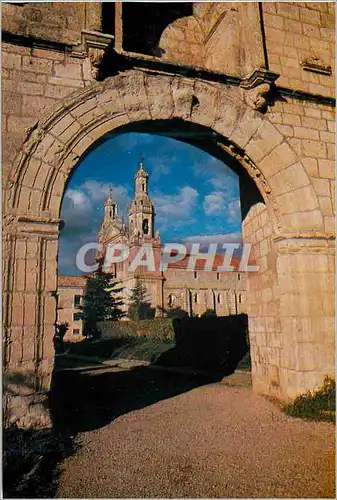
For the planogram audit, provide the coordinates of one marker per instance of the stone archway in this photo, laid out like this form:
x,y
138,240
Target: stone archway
x,y
291,340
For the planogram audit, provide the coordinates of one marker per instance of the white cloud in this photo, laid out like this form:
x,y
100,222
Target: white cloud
x,y
82,208
214,203
78,199
234,211
177,207
159,169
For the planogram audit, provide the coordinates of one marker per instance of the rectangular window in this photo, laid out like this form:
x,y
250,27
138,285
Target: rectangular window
x,y
77,300
195,274
217,276
239,277
76,331
77,317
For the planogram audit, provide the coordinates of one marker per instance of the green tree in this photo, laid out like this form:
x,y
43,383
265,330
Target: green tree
x,y
100,302
139,304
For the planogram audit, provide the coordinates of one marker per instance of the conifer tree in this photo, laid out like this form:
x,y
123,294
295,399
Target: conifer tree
x,y
100,302
139,304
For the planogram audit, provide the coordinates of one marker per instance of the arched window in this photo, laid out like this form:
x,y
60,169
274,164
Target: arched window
x,y
145,226
196,298
171,300
219,298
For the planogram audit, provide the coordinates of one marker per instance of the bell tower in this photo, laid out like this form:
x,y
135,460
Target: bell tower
x,y
141,211
110,209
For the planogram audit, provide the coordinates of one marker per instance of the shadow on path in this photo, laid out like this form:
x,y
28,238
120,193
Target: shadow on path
x,y
86,401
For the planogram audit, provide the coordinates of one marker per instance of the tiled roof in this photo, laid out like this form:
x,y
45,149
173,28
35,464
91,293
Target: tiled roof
x,y
200,264
71,281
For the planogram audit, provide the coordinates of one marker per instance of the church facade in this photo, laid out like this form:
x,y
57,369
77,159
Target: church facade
x,y
193,290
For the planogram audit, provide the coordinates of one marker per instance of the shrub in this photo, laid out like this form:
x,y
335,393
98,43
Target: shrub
x,y
208,312
156,329
316,405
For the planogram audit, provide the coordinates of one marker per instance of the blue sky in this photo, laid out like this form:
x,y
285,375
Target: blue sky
x,y
196,196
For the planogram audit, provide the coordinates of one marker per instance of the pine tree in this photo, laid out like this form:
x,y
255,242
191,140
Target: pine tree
x,y
139,305
100,302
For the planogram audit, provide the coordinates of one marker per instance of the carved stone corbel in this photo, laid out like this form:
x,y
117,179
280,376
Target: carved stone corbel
x,y
95,57
317,65
256,86
93,46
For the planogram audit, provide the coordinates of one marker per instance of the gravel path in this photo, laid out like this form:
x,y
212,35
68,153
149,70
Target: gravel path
x,y
214,441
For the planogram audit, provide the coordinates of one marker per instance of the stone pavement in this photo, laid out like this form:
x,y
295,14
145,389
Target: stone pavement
x,y
215,441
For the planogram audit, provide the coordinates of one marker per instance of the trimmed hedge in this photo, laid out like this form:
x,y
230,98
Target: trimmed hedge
x,y
210,342
156,329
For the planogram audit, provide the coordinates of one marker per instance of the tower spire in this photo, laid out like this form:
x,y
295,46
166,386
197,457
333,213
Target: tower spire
x,y
110,207
141,210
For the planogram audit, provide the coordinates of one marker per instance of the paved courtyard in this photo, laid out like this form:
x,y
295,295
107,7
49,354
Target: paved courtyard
x,y
213,441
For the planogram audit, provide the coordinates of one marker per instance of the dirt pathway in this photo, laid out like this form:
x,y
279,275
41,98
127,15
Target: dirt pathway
x,y
214,441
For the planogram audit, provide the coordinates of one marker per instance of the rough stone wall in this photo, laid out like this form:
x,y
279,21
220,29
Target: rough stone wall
x,y
310,128
198,40
55,21
227,285
288,152
263,304
33,81
66,309
294,33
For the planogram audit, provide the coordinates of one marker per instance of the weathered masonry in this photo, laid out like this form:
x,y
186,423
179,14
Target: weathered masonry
x,y
251,83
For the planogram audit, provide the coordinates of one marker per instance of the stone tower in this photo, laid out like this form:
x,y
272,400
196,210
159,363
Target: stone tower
x,y
113,226
141,210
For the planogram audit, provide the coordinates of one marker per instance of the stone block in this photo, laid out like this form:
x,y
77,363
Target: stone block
x,y
38,65
321,186
273,21
311,166
31,275
289,179
68,70
278,159
19,124
11,60
285,130
329,225
29,88
30,309
326,169
327,137
293,26
31,106
263,142
314,149
247,126
325,205
291,119
331,151
331,126
289,62
11,103
68,82
204,112
306,133
70,132
301,221
17,309
288,10
58,92
315,123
